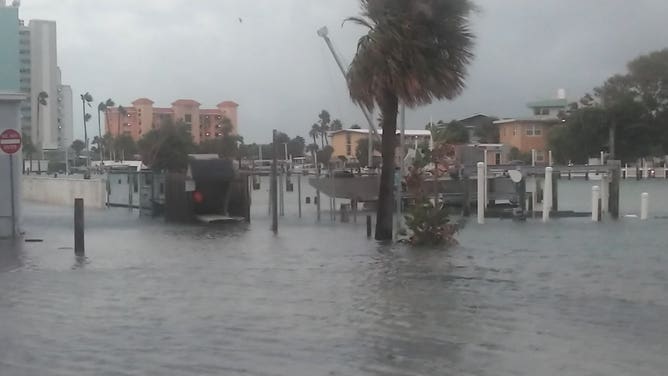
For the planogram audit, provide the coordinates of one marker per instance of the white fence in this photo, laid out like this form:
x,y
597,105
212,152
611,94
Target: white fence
x,y
63,191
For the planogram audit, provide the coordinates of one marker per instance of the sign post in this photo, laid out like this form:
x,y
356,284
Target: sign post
x,y
10,143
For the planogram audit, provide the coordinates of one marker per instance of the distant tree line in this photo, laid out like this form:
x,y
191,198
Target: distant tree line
x,y
627,116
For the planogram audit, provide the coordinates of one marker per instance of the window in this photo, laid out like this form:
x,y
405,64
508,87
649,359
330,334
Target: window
x,y
497,158
545,111
188,118
536,111
514,131
540,156
529,130
534,130
349,146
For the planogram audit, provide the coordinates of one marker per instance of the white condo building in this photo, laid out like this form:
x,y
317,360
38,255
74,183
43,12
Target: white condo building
x,y
52,128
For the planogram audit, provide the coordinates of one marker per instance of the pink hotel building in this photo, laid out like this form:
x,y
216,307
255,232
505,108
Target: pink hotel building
x,y
142,117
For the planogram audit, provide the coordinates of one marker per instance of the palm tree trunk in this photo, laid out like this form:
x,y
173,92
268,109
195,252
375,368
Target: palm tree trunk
x,y
612,136
389,109
36,140
41,153
99,133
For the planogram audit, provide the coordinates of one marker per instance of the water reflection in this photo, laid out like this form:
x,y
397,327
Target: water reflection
x,y
516,299
11,254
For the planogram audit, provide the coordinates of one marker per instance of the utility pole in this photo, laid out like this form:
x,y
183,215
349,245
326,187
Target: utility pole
x,y
324,34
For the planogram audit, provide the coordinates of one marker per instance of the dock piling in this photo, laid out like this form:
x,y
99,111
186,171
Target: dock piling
x,y
613,196
644,206
547,194
79,246
274,188
481,193
596,203
299,193
555,192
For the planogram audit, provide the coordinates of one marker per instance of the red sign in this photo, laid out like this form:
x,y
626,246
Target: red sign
x,y
10,141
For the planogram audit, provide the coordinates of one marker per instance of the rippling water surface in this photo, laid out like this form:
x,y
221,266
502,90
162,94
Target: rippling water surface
x,y
569,298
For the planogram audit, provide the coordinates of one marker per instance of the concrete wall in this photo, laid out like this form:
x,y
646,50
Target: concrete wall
x,y
63,191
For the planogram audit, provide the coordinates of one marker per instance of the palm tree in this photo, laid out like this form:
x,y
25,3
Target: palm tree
x,y
86,99
121,113
325,119
102,107
315,133
107,104
41,101
337,125
78,146
230,142
108,141
313,149
414,52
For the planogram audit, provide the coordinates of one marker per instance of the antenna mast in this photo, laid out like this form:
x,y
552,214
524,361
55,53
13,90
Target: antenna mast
x,y
324,34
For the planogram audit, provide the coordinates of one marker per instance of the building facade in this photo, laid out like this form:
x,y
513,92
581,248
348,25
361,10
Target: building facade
x,y
142,117
65,117
345,141
50,126
532,133
9,48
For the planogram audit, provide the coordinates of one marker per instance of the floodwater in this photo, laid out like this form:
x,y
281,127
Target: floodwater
x,y
567,298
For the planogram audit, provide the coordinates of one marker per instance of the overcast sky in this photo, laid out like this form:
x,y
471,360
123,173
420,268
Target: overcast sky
x,y
273,64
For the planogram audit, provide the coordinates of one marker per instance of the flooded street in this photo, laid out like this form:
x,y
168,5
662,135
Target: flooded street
x,y
569,298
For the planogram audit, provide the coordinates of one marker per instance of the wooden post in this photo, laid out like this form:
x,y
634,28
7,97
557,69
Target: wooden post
x,y
613,196
281,194
481,193
274,188
368,226
534,196
345,216
248,199
522,195
555,194
644,206
353,207
466,209
605,194
79,247
595,203
299,193
130,184
317,195
547,193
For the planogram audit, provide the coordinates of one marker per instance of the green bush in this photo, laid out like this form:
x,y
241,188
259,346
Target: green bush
x,y
430,225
